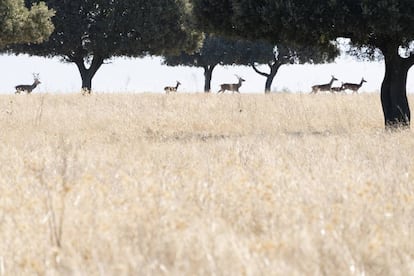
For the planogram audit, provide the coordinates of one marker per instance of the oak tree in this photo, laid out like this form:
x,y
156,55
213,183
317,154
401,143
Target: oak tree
x,y
89,32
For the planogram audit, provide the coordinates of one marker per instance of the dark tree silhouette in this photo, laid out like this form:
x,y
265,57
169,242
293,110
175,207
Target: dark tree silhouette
x,y
89,32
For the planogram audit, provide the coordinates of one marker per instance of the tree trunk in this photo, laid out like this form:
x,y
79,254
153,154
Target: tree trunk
x,y
268,84
86,82
87,74
394,90
208,73
274,67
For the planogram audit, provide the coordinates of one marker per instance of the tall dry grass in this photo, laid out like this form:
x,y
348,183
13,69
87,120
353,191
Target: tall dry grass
x,y
284,184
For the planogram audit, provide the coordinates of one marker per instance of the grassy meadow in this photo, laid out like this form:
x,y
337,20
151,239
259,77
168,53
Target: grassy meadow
x,y
196,184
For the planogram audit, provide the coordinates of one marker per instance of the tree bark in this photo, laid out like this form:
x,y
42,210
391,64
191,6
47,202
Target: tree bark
x,y
208,73
394,89
87,74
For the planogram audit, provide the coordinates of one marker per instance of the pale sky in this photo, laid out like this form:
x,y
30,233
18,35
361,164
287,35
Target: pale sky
x,y
148,75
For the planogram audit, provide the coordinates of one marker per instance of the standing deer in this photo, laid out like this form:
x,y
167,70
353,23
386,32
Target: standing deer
x,y
353,86
323,87
234,87
28,87
169,89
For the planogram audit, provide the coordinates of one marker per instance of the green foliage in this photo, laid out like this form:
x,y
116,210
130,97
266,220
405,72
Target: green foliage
x,y
374,21
227,51
21,25
275,21
118,28
218,50
368,22
293,53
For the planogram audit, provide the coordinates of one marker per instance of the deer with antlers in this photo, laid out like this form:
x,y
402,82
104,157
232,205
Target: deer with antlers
x,y
354,87
28,88
323,87
169,89
234,87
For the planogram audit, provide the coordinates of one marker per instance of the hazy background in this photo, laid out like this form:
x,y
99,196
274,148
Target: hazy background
x,y
149,75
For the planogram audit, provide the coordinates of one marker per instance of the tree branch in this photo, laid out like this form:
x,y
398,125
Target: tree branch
x,y
259,72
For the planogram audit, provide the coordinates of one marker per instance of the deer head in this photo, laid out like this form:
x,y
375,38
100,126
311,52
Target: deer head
x,y
36,78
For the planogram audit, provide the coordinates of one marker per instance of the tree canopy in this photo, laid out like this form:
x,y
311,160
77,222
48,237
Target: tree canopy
x,y
386,25
19,24
89,32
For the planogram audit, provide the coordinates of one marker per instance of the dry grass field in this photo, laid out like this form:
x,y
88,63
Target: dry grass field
x,y
195,184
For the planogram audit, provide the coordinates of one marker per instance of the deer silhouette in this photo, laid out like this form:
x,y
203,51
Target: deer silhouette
x,y
234,87
28,88
169,89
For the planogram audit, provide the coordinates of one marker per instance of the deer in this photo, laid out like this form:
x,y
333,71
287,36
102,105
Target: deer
x,y
353,86
323,87
169,89
28,88
337,89
234,87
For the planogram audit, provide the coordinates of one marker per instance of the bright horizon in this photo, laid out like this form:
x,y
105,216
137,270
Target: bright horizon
x,y
149,75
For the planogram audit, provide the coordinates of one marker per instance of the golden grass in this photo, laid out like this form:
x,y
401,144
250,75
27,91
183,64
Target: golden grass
x,y
284,184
